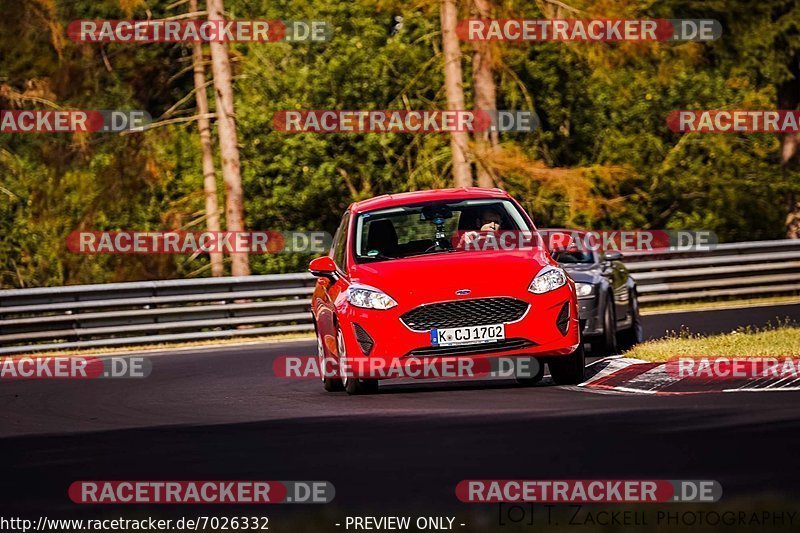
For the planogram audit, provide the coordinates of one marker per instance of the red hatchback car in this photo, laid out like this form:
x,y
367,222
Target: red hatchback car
x,y
399,285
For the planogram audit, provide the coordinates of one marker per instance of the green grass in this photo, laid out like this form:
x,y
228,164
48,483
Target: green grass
x,y
781,340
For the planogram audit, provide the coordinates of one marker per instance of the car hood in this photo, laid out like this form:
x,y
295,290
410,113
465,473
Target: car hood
x,y
437,277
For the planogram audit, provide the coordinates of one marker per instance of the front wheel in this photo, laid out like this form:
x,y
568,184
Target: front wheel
x,y
569,369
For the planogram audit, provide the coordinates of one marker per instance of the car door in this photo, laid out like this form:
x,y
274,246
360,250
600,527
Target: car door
x,y
327,291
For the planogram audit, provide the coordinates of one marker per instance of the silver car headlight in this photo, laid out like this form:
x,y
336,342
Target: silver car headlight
x,y
548,279
584,290
369,297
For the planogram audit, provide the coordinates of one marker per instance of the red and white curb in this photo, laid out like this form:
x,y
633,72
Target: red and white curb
x,y
644,377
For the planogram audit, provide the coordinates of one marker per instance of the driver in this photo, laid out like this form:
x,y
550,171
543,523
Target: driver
x,y
489,221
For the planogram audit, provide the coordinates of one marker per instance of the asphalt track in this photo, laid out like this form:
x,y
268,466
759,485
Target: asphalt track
x,y
220,413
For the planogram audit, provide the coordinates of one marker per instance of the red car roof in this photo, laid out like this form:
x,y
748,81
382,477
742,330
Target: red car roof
x,y
406,198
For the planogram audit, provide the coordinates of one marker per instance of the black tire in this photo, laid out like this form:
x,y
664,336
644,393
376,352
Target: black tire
x,y
361,386
569,369
329,383
607,343
332,384
352,385
632,336
533,380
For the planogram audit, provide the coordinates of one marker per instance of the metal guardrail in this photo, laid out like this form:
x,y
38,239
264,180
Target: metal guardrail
x,y
127,314
152,312
744,269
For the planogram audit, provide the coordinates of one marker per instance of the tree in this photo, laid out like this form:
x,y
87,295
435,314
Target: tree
x,y
459,140
203,124
228,141
485,98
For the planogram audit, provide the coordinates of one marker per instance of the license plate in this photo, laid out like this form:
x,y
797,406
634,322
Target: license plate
x,y
468,335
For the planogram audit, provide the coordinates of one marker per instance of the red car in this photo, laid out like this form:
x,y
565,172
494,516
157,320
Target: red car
x,y
400,285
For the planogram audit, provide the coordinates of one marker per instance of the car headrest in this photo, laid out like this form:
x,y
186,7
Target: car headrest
x,y
382,236
466,222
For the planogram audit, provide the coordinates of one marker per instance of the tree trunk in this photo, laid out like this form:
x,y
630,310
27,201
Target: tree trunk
x,y
459,140
485,99
203,124
228,141
788,152
789,98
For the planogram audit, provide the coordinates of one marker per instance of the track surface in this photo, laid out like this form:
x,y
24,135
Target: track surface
x,y
221,414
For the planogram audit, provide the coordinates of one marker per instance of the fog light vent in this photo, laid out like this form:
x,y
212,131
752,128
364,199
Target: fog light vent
x,y
562,322
363,338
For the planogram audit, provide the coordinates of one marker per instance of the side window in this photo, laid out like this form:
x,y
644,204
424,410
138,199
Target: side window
x,y
340,242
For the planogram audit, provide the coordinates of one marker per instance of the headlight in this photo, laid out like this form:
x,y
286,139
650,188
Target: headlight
x,y
548,279
369,298
584,290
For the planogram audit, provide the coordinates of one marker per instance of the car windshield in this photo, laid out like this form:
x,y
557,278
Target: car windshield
x,y
430,228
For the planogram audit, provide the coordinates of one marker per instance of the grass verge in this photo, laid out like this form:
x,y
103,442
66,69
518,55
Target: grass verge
x,y
781,340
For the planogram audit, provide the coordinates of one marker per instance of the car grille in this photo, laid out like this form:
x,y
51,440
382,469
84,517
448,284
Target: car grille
x,y
471,349
462,313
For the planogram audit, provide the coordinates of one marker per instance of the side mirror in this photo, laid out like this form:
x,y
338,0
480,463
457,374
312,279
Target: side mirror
x,y
613,256
323,267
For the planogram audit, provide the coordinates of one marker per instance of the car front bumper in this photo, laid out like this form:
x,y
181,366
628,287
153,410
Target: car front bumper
x,y
589,313
379,337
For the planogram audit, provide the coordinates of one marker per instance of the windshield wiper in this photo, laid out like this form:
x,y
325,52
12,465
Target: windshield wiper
x,y
378,256
431,252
